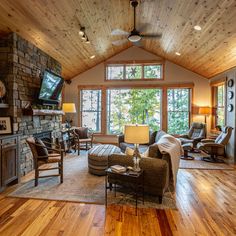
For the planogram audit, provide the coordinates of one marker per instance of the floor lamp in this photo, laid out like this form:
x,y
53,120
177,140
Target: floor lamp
x,y
205,111
69,108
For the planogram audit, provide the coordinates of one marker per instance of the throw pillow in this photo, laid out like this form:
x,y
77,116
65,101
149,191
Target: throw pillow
x,y
41,148
153,151
129,151
82,132
152,137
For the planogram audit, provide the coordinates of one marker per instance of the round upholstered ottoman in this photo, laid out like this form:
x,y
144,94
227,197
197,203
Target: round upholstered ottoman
x,y
98,158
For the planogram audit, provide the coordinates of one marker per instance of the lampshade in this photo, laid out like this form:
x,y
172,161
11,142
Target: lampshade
x,y
137,134
68,107
204,111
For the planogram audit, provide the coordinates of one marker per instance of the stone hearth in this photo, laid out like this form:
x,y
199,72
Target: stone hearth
x,y
21,67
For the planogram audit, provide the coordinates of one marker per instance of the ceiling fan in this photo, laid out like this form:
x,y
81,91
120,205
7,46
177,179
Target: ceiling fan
x,y
134,36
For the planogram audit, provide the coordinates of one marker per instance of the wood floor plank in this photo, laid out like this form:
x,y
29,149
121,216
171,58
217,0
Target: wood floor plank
x,y
205,202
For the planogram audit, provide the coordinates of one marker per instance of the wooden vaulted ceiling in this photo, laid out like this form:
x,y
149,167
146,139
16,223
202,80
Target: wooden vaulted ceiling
x,y
53,25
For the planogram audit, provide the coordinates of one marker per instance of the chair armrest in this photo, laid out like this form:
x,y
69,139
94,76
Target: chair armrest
x,y
217,145
198,139
183,136
208,140
48,148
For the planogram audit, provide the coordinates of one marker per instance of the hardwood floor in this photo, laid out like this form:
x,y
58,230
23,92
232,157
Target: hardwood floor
x,y
206,202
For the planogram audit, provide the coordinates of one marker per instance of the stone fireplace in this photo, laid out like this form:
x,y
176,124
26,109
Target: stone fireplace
x,y
21,67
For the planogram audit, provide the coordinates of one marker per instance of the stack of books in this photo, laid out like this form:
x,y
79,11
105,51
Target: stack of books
x,y
118,169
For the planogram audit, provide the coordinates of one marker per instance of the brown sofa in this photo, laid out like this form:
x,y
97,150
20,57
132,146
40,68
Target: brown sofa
x,y
157,168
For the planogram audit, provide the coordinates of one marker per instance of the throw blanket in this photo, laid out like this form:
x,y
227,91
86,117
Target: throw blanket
x,y
172,146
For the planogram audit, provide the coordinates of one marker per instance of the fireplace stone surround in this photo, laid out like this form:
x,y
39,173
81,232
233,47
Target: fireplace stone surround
x,y
21,67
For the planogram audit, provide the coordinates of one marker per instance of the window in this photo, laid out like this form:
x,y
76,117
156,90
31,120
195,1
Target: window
x,y
125,106
91,109
178,110
220,105
134,71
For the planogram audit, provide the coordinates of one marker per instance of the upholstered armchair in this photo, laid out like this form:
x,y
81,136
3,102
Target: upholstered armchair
x,y
216,147
196,133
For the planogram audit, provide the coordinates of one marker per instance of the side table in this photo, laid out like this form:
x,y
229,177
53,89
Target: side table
x,y
134,182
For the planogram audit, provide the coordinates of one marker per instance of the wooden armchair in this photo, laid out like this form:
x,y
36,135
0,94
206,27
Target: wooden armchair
x,y
41,156
83,139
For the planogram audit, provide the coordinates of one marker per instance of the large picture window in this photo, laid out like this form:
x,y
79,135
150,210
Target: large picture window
x,y
91,109
131,106
135,71
178,110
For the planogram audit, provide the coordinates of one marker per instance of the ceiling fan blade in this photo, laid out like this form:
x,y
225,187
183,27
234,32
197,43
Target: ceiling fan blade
x,y
151,36
119,32
119,42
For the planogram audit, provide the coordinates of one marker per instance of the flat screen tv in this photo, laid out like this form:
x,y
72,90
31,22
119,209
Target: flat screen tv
x,y
51,87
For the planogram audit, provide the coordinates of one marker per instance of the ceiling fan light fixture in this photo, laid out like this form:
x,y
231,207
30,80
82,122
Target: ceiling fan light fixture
x,y
134,38
93,56
177,53
197,27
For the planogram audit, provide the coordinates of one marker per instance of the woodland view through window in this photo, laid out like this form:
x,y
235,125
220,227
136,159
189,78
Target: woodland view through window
x,y
135,105
133,71
91,109
178,110
220,105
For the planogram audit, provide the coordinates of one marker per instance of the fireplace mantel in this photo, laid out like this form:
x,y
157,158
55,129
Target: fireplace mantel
x,y
42,112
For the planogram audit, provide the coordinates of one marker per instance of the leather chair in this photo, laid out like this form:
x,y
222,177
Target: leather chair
x,y
196,133
216,147
82,138
42,156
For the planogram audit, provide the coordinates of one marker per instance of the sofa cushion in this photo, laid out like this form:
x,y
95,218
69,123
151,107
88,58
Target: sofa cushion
x,y
153,151
152,137
159,134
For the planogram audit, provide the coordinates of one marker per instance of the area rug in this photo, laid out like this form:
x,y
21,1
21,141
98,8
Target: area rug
x,y
197,163
81,186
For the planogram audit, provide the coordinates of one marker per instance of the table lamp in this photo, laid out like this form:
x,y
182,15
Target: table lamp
x,y
68,108
206,111
136,134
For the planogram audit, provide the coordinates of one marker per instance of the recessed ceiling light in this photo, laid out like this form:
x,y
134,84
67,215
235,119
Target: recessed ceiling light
x,y
92,56
197,27
178,54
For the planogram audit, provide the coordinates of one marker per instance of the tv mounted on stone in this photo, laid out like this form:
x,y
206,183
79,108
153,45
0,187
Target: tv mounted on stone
x,y
51,87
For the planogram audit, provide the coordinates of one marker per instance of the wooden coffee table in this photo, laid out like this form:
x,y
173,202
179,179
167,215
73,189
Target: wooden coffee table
x,y
127,179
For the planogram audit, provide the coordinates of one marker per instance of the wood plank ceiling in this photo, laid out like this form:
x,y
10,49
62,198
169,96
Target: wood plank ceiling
x,y
53,25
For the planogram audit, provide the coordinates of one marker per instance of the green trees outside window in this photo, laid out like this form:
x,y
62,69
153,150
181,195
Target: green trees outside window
x,y
220,105
178,110
91,109
131,106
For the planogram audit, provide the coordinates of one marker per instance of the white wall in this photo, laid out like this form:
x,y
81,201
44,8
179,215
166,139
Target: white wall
x,y
173,74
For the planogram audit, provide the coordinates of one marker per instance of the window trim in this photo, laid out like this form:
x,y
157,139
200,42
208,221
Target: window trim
x,y
162,86
136,62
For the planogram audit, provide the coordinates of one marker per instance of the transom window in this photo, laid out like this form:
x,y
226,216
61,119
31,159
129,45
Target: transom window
x,y
135,71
